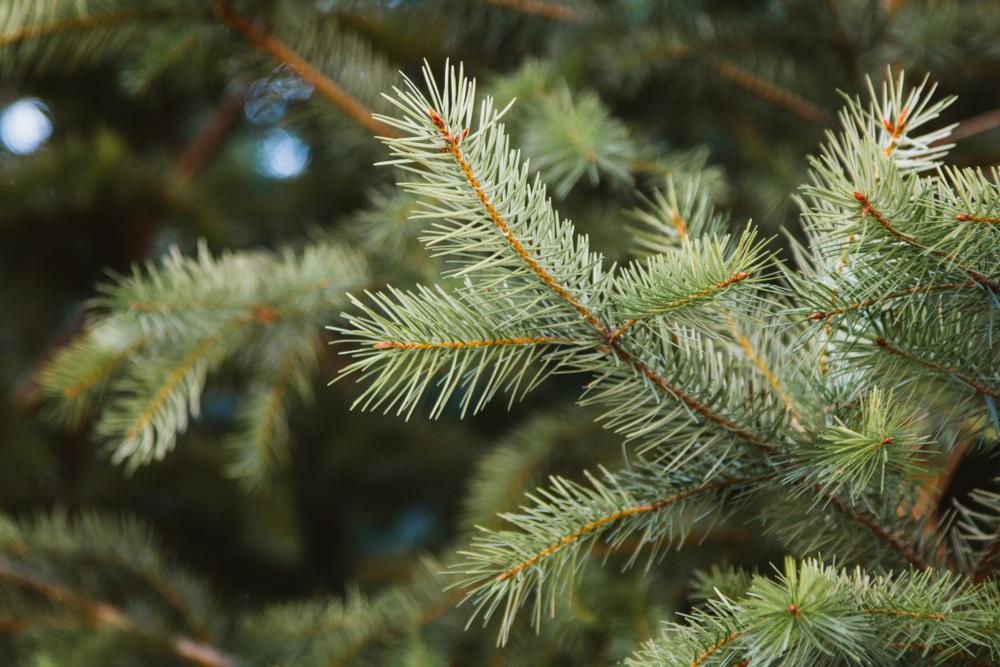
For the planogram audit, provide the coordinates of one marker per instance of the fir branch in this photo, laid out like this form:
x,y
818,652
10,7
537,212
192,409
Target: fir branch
x,y
600,522
968,217
871,523
281,52
507,567
451,144
867,209
937,367
84,22
552,11
892,296
462,344
707,653
765,370
772,93
103,615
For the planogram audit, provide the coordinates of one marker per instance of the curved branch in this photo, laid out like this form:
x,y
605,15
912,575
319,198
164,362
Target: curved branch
x,y
611,342
591,526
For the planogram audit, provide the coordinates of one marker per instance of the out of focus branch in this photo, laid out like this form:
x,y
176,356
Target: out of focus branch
x,y
281,52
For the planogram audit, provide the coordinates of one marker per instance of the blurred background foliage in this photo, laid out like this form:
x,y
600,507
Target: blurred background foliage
x,y
186,121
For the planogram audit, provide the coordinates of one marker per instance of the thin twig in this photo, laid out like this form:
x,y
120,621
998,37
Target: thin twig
x,y
772,93
549,10
103,615
206,143
281,52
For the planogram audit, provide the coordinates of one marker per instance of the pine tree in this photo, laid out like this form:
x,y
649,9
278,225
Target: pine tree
x,y
747,396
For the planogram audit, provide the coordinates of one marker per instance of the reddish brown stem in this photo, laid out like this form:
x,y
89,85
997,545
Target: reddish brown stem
x,y
548,10
770,92
278,50
878,531
926,363
103,615
867,209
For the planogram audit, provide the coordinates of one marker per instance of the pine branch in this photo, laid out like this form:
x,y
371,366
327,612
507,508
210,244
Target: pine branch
x,y
103,615
772,93
552,11
206,144
939,368
263,40
814,614
542,559
868,209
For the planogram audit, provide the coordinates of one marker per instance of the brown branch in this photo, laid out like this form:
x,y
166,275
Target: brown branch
x,y
927,363
968,217
867,209
610,340
718,287
206,143
871,523
591,526
972,126
548,10
772,93
462,344
904,613
278,50
827,314
731,637
103,615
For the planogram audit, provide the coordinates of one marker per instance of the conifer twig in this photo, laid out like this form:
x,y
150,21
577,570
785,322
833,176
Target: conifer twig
x,y
878,531
206,143
868,209
644,508
922,289
927,363
549,10
281,52
91,21
103,615
771,92
611,341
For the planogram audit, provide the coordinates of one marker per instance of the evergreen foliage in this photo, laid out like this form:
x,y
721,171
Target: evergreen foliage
x,y
711,429
740,403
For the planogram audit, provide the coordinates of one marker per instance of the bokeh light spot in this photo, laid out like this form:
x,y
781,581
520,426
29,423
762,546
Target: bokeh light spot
x,y
25,126
282,154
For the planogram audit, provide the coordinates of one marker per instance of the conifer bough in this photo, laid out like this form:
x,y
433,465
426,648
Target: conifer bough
x,y
813,401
